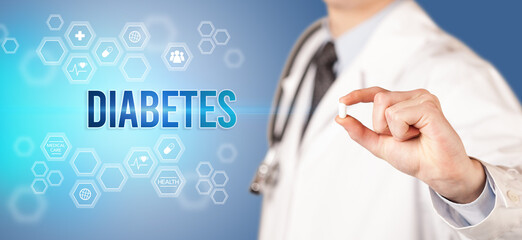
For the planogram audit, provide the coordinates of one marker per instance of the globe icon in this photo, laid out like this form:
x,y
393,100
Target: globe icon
x,y
134,36
85,194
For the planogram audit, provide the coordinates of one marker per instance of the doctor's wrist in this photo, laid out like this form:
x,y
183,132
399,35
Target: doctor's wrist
x,y
464,187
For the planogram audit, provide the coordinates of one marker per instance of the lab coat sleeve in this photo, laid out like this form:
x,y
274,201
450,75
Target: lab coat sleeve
x,y
504,221
486,114
464,215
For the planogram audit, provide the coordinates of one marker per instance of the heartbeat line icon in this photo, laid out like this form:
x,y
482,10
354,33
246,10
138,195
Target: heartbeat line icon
x,y
139,163
76,70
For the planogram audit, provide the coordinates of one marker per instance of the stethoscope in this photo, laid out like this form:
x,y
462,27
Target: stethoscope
x,y
268,171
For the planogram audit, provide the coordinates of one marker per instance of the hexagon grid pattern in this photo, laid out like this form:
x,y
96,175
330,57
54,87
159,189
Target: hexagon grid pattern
x,y
10,45
55,22
135,67
85,162
212,183
204,169
39,169
112,177
211,37
55,178
39,186
51,51
204,187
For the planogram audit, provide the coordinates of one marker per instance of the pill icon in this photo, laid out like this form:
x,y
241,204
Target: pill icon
x,y
106,52
343,109
168,149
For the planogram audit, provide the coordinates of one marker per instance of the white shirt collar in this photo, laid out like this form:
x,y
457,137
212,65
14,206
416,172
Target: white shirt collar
x,y
350,43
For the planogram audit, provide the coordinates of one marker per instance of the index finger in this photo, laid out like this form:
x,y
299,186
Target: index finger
x,y
364,95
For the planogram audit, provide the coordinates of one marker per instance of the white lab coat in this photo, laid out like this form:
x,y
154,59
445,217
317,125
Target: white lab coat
x,y
329,187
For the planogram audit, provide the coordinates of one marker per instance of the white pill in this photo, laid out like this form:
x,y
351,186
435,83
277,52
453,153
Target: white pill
x,y
342,110
169,148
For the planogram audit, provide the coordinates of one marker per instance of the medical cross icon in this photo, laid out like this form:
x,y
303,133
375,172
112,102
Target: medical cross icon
x,y
79,35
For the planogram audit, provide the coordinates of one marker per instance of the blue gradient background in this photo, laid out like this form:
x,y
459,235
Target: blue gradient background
x,y
263,30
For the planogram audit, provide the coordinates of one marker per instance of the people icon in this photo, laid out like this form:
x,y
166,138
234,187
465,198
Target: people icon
x,y
177,57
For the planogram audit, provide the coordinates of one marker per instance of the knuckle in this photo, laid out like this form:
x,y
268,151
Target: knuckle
x,y
390,112
380,98
429,106
435,99
426,97
377,88
421,91
379,126
396,116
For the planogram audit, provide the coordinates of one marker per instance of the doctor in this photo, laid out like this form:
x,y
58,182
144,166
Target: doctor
x,y
434,152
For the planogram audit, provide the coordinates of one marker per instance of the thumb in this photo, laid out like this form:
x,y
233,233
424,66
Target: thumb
x,y
361,134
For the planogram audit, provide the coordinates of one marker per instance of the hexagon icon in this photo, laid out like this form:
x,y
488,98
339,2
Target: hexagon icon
x,y
169,148
135,36
56,146
55,178
140,162
23,146
220,178
10,45
85,194
168,181
25,206
135,67
204,169
177,56
227,153
85,162
80,35
55,22
206,46
79,68
39,186
206,28
219,196
39,169
51,51
221,37
107,51
234,58
112,177
204,187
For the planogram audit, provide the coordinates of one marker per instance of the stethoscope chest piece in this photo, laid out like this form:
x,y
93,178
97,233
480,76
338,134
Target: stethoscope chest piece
x,y
267,173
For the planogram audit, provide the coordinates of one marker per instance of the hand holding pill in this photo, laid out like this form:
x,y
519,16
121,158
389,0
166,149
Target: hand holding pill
x,y
411,133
